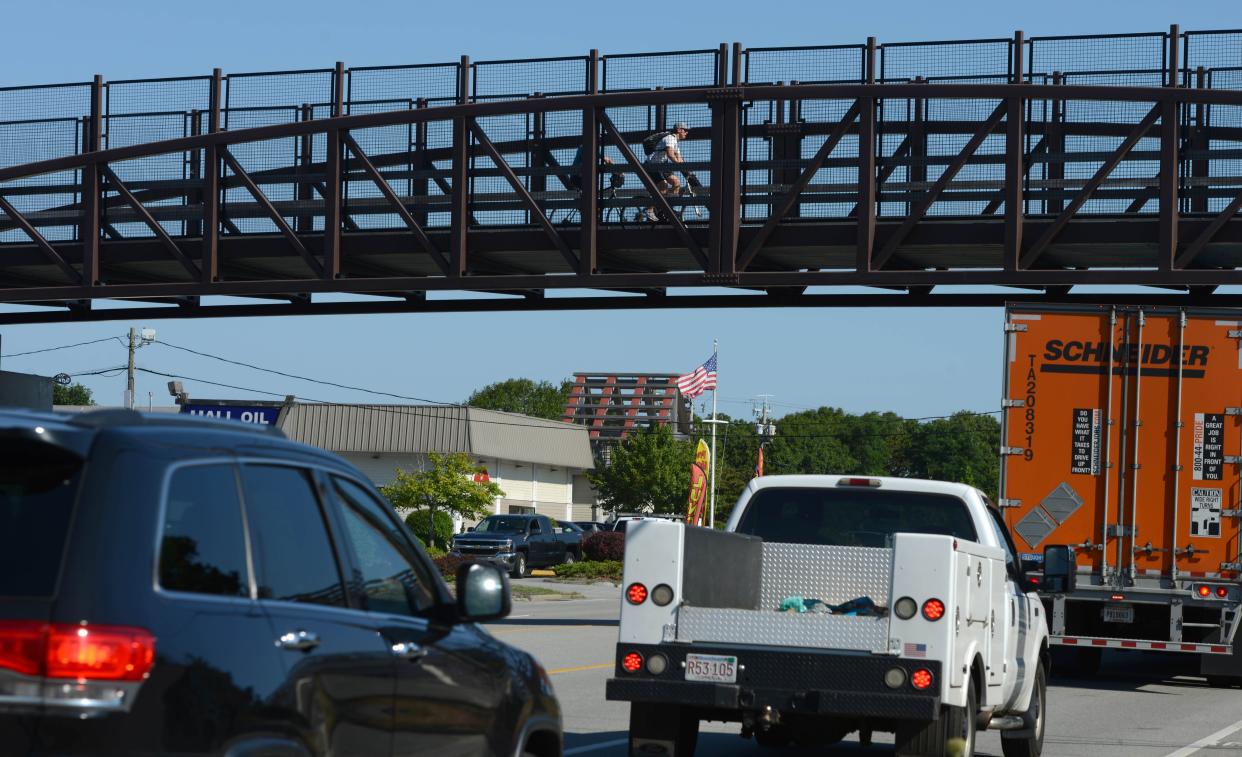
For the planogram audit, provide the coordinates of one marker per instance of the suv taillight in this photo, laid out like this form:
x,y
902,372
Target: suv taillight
x,y
79,652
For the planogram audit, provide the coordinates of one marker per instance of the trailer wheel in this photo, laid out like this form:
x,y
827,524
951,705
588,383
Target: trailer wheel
x,y
1031,742
956,724
670,730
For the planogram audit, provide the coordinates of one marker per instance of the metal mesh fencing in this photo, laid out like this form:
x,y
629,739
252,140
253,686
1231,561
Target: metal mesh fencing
x,y
1221,50
434,82
41,123
826,64
517,79
1099,55
667,70
270,163
285,89
930,60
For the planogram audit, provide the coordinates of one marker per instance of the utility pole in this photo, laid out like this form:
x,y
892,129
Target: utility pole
x,y
129,383
765,427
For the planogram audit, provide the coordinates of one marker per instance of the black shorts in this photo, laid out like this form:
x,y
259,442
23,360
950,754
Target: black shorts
x,y
657,171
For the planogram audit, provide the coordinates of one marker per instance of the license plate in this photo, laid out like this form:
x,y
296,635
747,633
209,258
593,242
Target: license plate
x,y
711,667
1118,613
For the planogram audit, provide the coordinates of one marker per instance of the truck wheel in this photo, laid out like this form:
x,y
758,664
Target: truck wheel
x,y
1030,744
956,724
662,729
519,565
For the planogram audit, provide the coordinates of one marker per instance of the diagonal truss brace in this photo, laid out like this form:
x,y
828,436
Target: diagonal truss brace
x,y
920,210
791,197
1028,160
1192,251
1037,249
115,183
659,199
386,189
535,211
44,246
272,212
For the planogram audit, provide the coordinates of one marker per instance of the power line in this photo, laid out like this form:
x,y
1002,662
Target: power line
x,y
304,378
408,411
62,347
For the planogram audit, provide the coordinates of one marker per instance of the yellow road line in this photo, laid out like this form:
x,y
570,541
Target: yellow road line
x,y
580,668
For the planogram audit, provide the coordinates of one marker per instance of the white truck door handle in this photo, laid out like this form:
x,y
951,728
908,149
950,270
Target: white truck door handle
x,y
298,640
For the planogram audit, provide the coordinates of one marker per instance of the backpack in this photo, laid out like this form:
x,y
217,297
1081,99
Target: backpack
x,y
650,143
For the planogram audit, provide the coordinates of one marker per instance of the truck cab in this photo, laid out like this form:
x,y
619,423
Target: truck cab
x,y
833,604
519,542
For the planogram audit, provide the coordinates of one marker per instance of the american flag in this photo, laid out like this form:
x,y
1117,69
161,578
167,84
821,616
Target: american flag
x,y
699,380
915,650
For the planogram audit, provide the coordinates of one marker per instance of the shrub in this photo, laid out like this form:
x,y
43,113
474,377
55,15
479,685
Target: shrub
x,y
447,565
417,521
609,570
604,546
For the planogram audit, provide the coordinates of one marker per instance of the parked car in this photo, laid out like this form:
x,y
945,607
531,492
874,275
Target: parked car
x,y
519,542
591,526
172,584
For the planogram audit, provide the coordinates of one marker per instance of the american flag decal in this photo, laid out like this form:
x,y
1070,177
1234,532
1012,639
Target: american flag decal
x,y
915,650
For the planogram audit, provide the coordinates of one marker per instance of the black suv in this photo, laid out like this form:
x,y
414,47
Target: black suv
x,y
188,586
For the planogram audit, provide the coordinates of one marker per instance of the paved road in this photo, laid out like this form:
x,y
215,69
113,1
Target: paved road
x,y
1140,706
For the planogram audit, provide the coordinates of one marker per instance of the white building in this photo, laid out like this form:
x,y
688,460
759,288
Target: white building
x,y
540,465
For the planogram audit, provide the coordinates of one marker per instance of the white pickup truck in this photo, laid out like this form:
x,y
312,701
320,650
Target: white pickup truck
x,y
833,604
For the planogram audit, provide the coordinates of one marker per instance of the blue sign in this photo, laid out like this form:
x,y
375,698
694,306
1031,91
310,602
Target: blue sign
x,y
260,414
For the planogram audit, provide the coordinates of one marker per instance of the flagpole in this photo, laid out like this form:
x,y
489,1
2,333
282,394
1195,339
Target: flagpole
x,y
711,518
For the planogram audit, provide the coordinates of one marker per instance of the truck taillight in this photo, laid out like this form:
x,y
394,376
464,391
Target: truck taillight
x,y
662,595
632,662
636,594
1205,591
80,652
933,609
1222,592
921,679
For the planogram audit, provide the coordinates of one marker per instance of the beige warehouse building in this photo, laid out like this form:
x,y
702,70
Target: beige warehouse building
x,y
540,465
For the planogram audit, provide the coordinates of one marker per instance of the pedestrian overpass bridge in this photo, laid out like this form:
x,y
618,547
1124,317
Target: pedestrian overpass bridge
x,y
932,173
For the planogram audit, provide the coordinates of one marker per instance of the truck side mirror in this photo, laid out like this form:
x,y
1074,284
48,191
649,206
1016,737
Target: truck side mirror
x,y
1060,569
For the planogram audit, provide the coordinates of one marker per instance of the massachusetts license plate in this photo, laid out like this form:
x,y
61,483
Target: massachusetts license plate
x,y
1118,613
711,667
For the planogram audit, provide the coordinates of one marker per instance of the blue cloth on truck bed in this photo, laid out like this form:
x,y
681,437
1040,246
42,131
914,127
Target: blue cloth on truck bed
x,y
859,606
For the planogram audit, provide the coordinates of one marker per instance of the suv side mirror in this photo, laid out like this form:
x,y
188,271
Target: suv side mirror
x,y
482,592
1060,569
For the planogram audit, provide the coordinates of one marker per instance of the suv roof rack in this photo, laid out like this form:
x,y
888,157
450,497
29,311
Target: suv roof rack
x,y
121,417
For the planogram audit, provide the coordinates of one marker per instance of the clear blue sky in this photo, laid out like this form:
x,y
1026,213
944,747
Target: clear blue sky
x,y
913,362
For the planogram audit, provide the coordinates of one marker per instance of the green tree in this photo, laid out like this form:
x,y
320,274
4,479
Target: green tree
x,y
74,394
962,447
541,399
447,485
649,472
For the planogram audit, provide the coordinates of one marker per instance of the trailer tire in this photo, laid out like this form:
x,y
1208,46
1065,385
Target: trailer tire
x,y
1030,742
670,730
932,739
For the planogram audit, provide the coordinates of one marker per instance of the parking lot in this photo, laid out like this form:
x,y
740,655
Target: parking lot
x,y
1124,712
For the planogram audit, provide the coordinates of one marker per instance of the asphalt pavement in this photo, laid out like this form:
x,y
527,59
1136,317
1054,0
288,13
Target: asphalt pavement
x,y
1140,705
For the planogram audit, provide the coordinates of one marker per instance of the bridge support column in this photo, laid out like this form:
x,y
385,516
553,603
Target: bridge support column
x,y
866,168
1015,148
459,207
726,188
91,274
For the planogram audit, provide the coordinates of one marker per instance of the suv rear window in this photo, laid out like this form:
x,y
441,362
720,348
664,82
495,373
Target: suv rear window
x,y
38,486
852,517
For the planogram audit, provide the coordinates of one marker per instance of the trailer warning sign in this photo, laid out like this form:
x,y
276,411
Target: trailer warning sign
x,y
1205,512
1209,449
1085,445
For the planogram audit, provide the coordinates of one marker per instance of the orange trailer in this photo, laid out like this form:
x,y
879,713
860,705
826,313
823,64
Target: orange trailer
x,y
1121,438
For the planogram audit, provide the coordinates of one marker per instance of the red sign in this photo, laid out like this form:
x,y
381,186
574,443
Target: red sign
x,y
481,477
